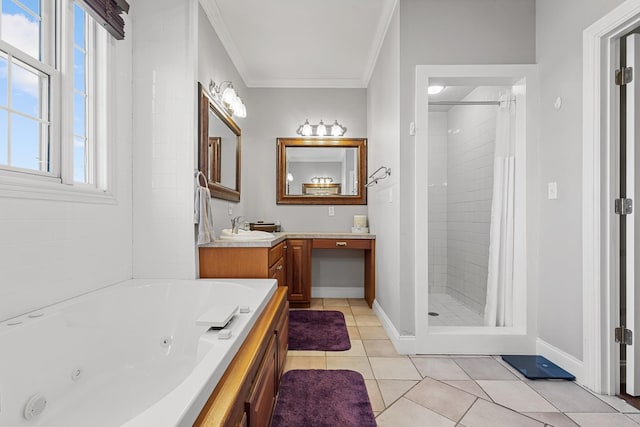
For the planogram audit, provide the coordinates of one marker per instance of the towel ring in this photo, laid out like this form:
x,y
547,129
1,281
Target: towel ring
x,y
204,177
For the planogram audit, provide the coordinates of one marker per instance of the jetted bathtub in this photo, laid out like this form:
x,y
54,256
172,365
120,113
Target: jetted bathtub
x,y
131,354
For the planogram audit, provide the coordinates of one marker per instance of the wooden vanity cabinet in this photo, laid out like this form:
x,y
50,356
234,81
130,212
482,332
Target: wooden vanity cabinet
x,y
244,262
246,393
299,272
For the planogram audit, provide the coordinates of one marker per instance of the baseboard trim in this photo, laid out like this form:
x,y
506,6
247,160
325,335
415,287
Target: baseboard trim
x,y
404,344
337,292
562,359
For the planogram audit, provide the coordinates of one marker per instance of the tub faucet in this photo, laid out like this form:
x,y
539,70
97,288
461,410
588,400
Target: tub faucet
x,y
235,223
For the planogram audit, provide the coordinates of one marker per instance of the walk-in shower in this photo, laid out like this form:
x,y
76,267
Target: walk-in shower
x,y
470,180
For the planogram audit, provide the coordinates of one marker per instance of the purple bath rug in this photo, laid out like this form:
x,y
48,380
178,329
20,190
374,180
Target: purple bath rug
x,y
318,330
319,398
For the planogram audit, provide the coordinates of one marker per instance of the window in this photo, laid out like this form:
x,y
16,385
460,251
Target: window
x,y
25,79
53,71
82,144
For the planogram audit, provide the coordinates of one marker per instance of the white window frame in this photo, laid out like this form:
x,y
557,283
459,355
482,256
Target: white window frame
x,y
59,183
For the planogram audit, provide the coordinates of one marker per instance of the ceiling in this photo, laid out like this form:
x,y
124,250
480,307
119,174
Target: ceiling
x,y
302,43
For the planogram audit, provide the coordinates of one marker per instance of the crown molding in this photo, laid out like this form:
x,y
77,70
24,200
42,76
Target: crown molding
x,y
308,83
215,17
376,46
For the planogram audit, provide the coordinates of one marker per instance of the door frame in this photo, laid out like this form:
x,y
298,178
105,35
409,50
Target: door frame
x,y
600,270
521,337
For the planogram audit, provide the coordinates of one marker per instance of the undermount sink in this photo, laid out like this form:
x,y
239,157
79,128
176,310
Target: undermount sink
x,y
244,235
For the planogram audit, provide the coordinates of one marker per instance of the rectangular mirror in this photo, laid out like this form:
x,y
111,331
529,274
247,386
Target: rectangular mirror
x,y
322,171
219,148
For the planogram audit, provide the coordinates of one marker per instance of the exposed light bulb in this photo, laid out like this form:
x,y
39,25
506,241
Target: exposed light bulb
x,y
307,130
236,104
289,177
228,95
242,111
321,130
336,129
435,89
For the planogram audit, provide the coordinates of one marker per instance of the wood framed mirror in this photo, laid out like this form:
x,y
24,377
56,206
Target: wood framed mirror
x,y
219,148
321,171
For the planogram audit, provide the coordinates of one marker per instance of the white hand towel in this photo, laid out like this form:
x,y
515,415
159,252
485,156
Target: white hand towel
x,y
204,215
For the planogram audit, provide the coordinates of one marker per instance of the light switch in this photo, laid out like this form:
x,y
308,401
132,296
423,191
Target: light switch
x,y
552,190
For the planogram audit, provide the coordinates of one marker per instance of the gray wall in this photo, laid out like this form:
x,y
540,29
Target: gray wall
x,y
278,113
559,27
439,32
383,121
214,63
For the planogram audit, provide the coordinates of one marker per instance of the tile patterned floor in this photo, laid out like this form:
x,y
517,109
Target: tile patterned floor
x,y
466,391
451,312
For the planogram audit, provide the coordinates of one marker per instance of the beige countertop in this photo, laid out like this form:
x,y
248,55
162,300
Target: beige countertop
x,y
286,235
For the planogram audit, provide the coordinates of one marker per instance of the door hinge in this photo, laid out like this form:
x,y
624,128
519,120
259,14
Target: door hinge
x,y
623,206
624,76
624,336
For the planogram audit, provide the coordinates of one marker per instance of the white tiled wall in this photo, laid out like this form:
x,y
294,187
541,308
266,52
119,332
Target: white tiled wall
x,y
460,173
471,140
54,250
165,106
437,227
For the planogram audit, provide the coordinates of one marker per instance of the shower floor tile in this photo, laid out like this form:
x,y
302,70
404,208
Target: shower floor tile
x,y
451,312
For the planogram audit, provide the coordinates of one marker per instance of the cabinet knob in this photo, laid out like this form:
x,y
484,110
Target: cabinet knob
x,y
341,243
278,268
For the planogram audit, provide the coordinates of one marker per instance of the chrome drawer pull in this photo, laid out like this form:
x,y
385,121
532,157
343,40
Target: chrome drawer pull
x,y
341,243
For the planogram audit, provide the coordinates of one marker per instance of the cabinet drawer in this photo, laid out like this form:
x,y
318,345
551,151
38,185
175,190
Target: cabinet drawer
x,y
275,253
341,244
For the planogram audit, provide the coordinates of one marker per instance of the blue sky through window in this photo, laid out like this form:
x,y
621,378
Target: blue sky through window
x,y
21,27
80,139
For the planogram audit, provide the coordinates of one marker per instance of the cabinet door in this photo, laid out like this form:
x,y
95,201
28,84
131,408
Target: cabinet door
x,y
298,270
277,271
262,399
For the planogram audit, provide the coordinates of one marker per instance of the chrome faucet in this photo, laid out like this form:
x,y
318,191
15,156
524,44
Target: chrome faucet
x,y
235,223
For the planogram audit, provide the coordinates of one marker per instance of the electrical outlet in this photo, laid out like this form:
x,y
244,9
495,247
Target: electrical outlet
x,y
332,211
229,209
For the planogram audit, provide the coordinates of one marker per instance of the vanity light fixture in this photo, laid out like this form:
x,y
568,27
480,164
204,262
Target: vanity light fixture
x,y
435,89
306,129
226,95
321,180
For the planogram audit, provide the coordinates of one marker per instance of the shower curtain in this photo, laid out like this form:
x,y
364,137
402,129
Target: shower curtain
x,y
498,310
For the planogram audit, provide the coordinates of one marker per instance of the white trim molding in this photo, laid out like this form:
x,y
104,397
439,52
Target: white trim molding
x,y
404,344
337,292
519,339
599,272
562,359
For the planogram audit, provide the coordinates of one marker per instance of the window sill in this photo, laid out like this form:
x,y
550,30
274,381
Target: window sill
x,y
52,190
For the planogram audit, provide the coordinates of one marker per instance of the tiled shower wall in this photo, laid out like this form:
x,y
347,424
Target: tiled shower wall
x,y
437,196
470,148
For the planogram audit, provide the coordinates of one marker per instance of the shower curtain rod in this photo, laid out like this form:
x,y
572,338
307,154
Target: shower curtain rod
x,y
464,103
